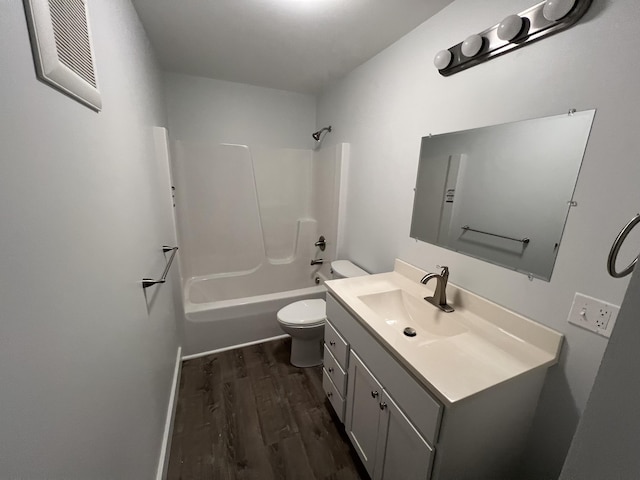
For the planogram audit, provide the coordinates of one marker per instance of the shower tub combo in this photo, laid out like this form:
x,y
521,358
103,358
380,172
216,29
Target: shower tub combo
x,y
217,324
248,222
238,308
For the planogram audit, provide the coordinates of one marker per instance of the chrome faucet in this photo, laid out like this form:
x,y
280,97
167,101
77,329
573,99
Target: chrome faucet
x,y
316,261
439,298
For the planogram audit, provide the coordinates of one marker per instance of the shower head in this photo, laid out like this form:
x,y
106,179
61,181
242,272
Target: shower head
x,y
316,135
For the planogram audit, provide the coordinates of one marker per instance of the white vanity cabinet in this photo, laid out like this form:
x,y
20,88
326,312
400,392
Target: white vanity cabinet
x,y
334,370
402,428
388,444
363,419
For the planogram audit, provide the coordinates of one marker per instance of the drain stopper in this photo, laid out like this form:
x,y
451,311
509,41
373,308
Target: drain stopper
x,y
410,332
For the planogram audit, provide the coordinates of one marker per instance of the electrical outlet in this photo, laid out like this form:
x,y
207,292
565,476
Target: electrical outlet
x,y
593,314
602,317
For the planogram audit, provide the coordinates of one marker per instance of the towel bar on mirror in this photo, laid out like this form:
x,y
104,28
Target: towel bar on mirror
x,y
147,282
467,228
615,248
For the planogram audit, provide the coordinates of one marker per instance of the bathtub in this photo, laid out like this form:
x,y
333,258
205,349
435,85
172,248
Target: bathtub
x,y
247,236
215,321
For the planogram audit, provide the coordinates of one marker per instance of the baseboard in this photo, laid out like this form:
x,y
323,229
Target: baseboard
x,y
163,462
233,347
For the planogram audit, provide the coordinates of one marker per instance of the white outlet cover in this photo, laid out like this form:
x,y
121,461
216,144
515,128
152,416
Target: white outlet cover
x,y
593,314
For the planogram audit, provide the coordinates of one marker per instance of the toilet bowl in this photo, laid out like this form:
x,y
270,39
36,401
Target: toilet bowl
x,y
304,320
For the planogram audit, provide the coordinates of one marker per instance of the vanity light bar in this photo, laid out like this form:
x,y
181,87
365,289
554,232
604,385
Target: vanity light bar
x,y
515,31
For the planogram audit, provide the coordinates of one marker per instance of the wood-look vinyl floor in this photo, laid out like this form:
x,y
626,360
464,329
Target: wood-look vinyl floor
x,y
249,414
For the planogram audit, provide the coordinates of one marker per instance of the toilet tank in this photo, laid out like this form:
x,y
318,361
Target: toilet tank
x,y
345,269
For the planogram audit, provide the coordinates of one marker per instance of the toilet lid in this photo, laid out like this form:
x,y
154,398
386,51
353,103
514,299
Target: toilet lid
x,y
346,269
304,312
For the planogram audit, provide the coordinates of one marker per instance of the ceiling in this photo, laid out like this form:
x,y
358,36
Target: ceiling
x,y
296,45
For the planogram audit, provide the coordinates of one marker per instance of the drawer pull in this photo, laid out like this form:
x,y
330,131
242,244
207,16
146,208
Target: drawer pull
x,y
332,343
383,405
329,394
374,393
330,369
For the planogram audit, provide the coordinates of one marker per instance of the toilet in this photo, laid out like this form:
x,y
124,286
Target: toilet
x,y
304,320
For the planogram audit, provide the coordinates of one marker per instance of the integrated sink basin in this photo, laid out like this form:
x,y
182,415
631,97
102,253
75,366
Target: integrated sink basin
x,y
402,310
456,355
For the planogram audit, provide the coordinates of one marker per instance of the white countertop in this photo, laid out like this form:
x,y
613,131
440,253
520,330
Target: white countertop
x,y
491,345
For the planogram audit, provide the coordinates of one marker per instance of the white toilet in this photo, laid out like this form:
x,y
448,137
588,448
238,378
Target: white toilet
x,y
304,320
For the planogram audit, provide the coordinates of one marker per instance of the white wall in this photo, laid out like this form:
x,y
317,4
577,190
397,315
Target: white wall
x,y
606,441
385,106
86,360
206,110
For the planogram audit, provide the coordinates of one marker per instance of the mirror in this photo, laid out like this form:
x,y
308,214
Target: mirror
x,y
501,193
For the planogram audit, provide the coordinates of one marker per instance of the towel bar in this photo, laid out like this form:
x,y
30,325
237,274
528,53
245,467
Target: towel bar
x,y
147,282
615,248
521,240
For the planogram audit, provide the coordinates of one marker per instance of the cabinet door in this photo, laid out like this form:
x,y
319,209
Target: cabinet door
x,y
402,453
363,411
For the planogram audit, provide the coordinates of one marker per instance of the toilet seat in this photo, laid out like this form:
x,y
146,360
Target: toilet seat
x,y
304,313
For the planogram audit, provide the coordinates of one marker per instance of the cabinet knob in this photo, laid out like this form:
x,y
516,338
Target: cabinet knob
x,y
374,393
383,405
330,369
332,343
329,394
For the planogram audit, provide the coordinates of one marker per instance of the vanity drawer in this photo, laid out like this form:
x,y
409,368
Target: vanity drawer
x,y
336,400
335,372
336,345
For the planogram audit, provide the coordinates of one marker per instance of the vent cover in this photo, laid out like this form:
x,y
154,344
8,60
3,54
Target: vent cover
x,y
62,50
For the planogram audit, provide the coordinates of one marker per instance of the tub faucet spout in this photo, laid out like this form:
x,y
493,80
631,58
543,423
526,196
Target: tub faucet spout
x,y
439,298
316,261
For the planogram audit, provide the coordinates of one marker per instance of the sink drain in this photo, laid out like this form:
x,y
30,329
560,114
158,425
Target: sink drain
x,y
410,332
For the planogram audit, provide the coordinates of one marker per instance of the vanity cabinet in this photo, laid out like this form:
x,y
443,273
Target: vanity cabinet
x,y
363,416
402,428
386,441
334,369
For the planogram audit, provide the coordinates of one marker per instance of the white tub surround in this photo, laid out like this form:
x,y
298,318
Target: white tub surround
x,y
455,400
268,277
249,218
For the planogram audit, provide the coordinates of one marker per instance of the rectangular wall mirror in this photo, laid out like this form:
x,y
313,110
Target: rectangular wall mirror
x,y
501,193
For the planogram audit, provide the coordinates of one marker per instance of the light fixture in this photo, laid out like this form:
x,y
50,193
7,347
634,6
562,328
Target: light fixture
x,y
514,31
555,10
472,45
510,27
443,59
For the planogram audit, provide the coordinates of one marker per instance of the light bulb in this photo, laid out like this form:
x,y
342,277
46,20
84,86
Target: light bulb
x,y
442,59
509,28
472,45
555,10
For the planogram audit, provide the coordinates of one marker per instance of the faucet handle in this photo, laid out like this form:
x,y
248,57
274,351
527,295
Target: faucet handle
x,y
444,272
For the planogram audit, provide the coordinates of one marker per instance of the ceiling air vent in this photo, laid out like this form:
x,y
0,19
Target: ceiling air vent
x,y
61,41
